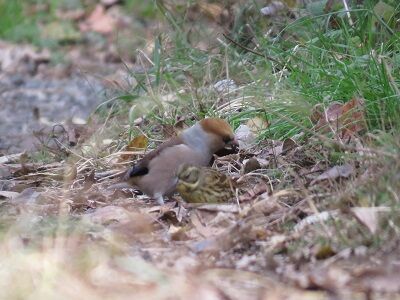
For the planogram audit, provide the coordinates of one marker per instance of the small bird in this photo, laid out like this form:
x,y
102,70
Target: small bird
x,y
203,185
156,173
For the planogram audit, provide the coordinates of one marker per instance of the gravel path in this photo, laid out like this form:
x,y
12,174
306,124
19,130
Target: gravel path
x,y
23,99
35,94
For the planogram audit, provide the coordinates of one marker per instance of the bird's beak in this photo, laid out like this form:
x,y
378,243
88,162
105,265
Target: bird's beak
x,y
234,144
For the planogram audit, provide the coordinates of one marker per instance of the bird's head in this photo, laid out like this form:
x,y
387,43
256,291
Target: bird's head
x,y
210,136
188,174
218,133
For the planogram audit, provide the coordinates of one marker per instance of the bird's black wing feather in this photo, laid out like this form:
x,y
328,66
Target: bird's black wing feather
x,y
138,170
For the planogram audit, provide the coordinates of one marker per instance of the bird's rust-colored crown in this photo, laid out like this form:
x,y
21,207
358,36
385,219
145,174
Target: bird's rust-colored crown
x,y
217,126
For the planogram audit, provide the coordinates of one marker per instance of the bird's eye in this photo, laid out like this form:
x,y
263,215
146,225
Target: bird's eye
x,y
227,139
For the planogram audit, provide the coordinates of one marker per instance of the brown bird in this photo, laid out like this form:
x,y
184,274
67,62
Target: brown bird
x,y
204,185
155,174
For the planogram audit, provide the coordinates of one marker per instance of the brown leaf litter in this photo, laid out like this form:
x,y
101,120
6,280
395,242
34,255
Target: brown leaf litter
x,y
124,245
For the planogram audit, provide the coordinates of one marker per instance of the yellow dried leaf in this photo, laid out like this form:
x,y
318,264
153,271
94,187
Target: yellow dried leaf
x,y
257,124
138,143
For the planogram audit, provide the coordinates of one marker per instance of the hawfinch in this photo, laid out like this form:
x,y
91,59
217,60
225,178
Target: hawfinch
x,y
156,173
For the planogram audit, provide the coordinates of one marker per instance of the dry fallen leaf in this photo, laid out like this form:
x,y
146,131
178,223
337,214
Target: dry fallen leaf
x,y
70,172
288,145
99,21
177,233
319,217
273,8
266,205
212,10
353,117
335,172
109,214
252,193
225,86
139,143
245,137
250,165
344,120
257,124
368,216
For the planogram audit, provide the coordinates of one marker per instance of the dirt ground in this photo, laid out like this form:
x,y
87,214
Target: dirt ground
x,y
35,94
293,230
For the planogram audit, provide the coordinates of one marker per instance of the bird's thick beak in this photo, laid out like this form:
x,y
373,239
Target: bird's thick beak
x,y
233,145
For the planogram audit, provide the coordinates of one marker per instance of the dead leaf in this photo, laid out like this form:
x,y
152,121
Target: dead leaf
x,y
225,240
177,233
335,172
138,143
257,124
108,215
368,216
333,112
324,252
180,124
344,120
317,113
245,137
89,180
272,9
250,165
99,21
212,10
353,117
170,212
168,130
288,145
70,172
276,242
277,148
255,191
228,208
266,205
319,217
203,230
225,86
161,208
180,213
384,10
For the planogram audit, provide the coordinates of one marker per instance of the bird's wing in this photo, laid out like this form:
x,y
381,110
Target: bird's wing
x,y
141,168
